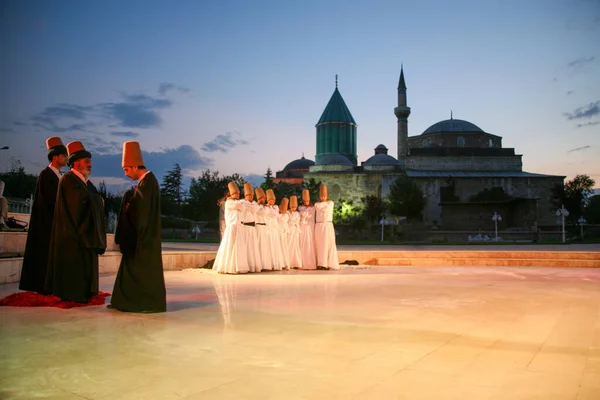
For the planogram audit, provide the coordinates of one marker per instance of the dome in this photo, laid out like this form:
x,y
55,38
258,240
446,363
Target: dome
x,y
301,163
381,159
335,159
453,125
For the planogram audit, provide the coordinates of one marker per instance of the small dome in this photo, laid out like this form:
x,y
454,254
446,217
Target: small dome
x,y
381,159
381,149
335,159
301,163
453,125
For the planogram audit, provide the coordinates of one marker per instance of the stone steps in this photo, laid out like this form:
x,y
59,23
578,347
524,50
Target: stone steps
x,y
10,268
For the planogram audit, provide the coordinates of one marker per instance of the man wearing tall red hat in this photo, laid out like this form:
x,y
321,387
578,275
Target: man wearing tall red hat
x,y
78,231
140,283
247,242
35,259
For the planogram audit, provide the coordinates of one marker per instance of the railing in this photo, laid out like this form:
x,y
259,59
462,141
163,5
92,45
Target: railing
x,y
22,206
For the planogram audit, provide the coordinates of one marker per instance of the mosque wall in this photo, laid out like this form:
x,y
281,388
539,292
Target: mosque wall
x,y
462,163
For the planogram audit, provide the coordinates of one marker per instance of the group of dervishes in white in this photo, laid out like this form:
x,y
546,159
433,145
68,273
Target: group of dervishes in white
x,y
261,236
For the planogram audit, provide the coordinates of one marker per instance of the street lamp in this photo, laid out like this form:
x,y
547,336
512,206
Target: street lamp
x,y
562,212
496,218
582,221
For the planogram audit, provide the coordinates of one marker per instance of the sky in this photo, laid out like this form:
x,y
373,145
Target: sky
x,y
238,86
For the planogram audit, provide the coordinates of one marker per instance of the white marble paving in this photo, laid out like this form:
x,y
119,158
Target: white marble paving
x,y
368,333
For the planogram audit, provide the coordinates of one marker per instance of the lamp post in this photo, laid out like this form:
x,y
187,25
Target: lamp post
x,y
562,212
496,218
582,221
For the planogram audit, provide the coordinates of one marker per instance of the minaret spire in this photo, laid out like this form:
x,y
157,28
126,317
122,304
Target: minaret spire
x,y
336,81
402,111
450,114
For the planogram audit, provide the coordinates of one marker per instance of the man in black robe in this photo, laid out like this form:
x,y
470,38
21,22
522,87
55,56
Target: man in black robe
x,y
140,284
78,233
35,259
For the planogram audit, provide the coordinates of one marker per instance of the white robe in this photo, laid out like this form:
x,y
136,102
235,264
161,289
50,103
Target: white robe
x,y
272,221
307,237
227,260
284,228
248,252
294,240
326,249
265,259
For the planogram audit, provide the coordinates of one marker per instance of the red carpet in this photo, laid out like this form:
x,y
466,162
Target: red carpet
x,y
30,299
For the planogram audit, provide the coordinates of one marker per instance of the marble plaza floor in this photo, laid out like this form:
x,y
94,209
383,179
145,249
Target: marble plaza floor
x,y
358,333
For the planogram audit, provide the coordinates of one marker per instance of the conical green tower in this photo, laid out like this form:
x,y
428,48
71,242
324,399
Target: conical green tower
x,y
336,130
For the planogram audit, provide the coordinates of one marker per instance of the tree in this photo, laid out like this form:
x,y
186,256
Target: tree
x,y
205,191
314,188
406,199
17,183
345,211
373,208
574,195
268,183
592,210
171,191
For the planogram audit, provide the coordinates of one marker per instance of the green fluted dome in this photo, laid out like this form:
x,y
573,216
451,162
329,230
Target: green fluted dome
x,y
336,110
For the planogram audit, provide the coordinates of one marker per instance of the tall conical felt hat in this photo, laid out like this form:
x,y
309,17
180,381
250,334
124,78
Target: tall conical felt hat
x,y
305,195
323,190
259,193
232,188
293,202
284,205
55,147
132,155
270,195
76,151
248,189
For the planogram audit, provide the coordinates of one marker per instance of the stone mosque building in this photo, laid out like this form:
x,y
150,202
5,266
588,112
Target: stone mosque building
x,y
453,161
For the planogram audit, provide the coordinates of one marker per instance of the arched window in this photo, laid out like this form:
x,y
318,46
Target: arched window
x,y
460,141
491,143
425,143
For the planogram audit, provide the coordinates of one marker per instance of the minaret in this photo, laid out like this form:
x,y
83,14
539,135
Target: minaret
x,y
402,112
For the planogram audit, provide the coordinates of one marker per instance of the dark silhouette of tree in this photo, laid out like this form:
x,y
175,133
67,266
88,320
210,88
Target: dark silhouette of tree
x,y
373,208
574,195
171,191
17,183
268,183
406,199
314,189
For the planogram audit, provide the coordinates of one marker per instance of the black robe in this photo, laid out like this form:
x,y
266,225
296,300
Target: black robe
x,y
140,283
78,236
35,259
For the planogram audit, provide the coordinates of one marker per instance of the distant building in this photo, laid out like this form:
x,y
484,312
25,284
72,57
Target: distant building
x,y
293,173
454,161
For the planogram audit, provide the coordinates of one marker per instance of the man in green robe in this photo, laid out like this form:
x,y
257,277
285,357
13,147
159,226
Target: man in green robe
x,y
140,284
78,232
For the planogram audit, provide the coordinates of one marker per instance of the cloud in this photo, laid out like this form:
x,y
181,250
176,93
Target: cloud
x,y
7,130
137,111
224,142
584,112
159,162
579,149
125,134
163,88
570,92
581,61
61,118
588,124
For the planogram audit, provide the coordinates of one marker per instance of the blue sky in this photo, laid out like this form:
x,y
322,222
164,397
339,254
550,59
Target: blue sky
x,y
238,86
